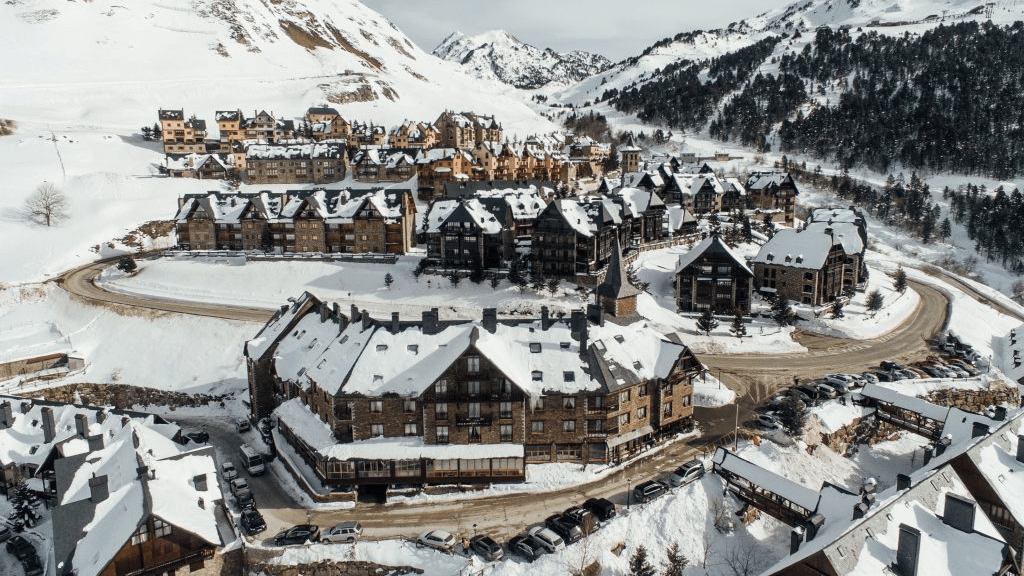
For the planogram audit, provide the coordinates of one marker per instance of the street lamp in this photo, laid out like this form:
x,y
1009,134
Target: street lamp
x,y
736,428
474,530
629,479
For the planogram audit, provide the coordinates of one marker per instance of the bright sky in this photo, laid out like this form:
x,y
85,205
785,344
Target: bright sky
x,y
613,28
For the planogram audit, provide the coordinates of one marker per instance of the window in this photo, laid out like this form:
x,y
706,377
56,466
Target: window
x,y
535,347
569,402
537,426
141,535
410,429
473,364
382,347
643,390
474,409
596,402
668,409
595,425
569,376
537,375
569,425
505,410
474,434
506,432
506,386
376,430
441,387
641,412
441,410
473,387
442,434
410,406
376,406
666,390
623,419
623,396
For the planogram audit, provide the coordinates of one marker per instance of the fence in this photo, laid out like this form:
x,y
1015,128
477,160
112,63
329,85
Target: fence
x,y
293,256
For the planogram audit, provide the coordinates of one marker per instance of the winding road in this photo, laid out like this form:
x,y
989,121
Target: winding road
x,y
754,377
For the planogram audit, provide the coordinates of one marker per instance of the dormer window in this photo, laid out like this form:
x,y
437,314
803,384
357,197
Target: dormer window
x,y
413,348
537,375
535,347
382,347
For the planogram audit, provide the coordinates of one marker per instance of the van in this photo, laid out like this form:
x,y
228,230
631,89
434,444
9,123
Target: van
x,y
649,490
252,461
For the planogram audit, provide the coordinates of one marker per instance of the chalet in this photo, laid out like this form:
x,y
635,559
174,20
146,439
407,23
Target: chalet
x,y
413,135
808,266
466,129
713,277
296,163
202,166
485,160
545,189
437,166
133,503
383,165
850,228
644,215
181,136
367,135
571,237
773,191
264,127
37,351
329,221
462,401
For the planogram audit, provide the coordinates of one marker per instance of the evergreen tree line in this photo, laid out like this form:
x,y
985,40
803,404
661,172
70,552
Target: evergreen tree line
x,y
994,221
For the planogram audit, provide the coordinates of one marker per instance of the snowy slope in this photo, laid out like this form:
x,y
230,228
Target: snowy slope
x,y
130,58
498,55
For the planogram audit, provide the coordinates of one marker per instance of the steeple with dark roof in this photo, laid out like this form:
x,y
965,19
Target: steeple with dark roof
x,y
616,295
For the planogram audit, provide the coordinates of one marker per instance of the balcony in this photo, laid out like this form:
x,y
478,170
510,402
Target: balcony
x,y
472,420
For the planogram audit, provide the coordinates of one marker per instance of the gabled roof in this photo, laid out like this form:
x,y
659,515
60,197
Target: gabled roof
x,y
572,214
805,249
713,244
616,282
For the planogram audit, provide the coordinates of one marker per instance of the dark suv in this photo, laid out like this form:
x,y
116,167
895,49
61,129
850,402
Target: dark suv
x,y
649,490
603,508
298,535
564,527
20,547
583,518
486,547
252,521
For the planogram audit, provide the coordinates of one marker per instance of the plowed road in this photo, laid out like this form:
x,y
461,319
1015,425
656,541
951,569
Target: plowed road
x,y
754,377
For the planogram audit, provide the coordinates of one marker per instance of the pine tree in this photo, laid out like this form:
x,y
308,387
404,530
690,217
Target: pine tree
x,y
495,281
945,229
793,415
477,275
875,301
782,311
388,280
454,278
837,309
707,322
739,327
899,282
158,133
147,133
639,565
24,503
552,285
675,562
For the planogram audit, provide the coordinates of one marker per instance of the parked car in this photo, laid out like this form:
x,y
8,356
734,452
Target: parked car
x,y
583,518
245,499
870,377
438,539
933,371
5,532
901,374
958,372
564,527
526,547
890,365
802,394
971,370
603,508
486,548
198,436
920,373
884,376
243,425
32,565
228,471
545,537
649,490
253,522
837,385
826,391
20,547
298,535
687,473
767,422
344,532
238,484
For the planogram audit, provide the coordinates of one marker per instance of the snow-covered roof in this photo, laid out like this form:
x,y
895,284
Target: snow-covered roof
x,y
807,249
847,233
575,216
278,324
796,493
713,243
760,180
917,405
679,216
318,436
324,149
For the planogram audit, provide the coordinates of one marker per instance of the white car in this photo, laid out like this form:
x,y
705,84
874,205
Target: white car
x,y
547,538
438,539
768,422
344,532
228,471
687,473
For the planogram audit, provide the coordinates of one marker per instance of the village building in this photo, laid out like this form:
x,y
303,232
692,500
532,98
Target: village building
x,y
263,126
326,221
616,295
437,166
629,156
202,166
711,276
413,135
462,401
181,135
466,129
809,266
774,193
572,238
367,136
384,164
323,123
315,163
37,351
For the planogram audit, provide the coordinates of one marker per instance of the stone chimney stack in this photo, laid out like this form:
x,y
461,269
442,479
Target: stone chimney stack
x,y
545,318
98,491
490,320
82,425
49,425
95,442
908,549
365,317
200,482
979,429
430,321
6,415
395,323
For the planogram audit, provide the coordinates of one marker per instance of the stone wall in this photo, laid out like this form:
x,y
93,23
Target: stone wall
x,y
259,562
124,397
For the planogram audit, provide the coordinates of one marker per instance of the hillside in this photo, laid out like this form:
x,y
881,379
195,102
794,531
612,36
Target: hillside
x,y
498,55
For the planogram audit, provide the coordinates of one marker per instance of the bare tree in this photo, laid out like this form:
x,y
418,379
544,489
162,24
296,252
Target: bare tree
x,y
47,205
583,560
743,560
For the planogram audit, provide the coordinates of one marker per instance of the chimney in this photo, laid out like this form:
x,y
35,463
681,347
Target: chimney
x,y
98,489
336,310
82,425
95,442
796,538
907,550
929,453
902,482
6,415
490,320
1000,413
365,316
142,472
353,313
395,329
101,416
200,482
959,513
594,314
942,444
577,320
813,525
1020,448
25,407
124,421
868,500
545,318
284,308
49,425
859,511
323,312
430,319
870,486
979,429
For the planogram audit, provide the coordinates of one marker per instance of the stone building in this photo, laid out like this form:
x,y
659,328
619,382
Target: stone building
x,y
181,135
383,402
773,191
616,295
314,163
808,266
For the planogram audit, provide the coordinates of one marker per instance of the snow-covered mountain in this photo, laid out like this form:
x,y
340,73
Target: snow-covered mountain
x,y
111,62
501,56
